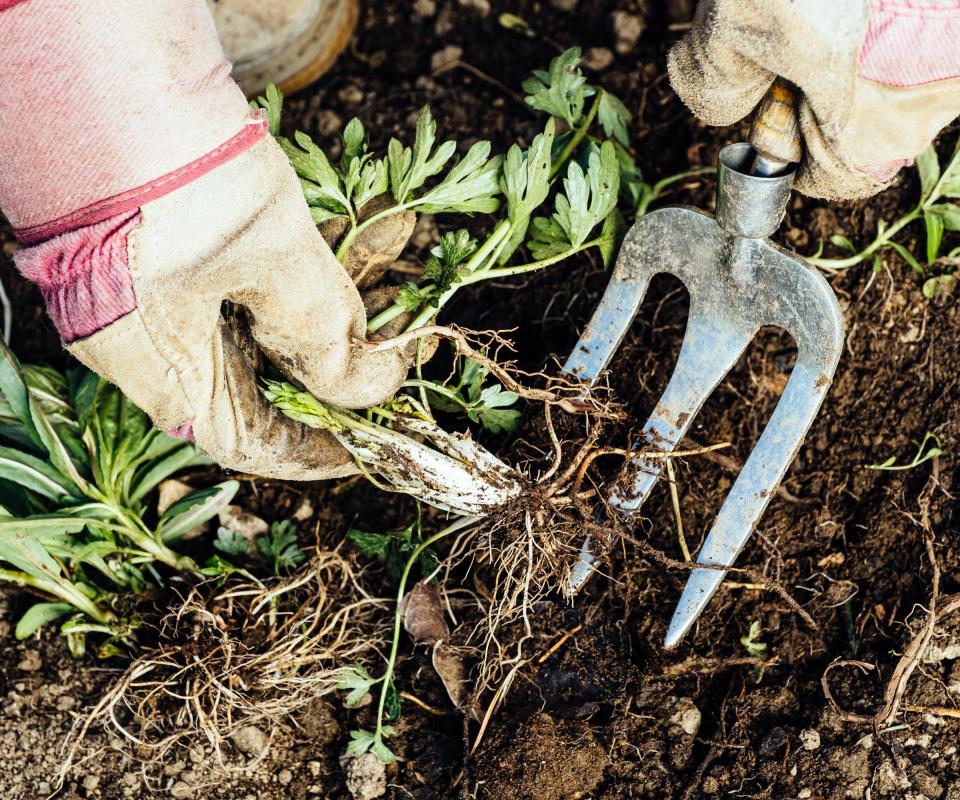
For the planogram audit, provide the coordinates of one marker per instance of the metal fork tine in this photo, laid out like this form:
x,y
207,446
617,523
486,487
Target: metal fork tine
x,y
710,348
748,499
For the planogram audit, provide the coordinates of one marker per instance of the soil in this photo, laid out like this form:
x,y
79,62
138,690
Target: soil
x,y
608,713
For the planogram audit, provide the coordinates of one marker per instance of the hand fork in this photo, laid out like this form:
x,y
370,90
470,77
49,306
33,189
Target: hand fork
x,y
738,281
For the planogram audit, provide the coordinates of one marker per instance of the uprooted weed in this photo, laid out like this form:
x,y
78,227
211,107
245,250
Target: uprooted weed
x,y
244,654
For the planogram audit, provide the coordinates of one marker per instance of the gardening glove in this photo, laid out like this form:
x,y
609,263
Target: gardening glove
x,y
146,196
879,79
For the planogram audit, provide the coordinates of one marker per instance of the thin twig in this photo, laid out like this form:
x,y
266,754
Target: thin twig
x,y
678,518
560,643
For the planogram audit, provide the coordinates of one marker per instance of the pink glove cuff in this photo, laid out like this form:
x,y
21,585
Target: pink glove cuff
x,y
911,42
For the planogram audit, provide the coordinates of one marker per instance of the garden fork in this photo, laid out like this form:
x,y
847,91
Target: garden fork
x,y
738,281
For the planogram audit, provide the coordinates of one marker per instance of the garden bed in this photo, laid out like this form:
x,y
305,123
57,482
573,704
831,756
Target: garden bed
x,y
598,708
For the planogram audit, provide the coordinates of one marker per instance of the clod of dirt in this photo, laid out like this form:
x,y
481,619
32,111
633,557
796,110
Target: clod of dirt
x,y
544,759
252,741
423,614
564,5
809,739
687,716
319,723
366,777
30,662
597,58
449,665
481,7
236,518
627,29
443,58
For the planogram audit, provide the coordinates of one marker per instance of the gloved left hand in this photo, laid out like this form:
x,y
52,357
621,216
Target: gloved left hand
x,y
145,197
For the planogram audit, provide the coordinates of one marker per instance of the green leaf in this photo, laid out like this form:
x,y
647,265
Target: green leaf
x,y
471,185
841,241
410,169
939,286
195,509
272,105
443,266
231,543
14,389
410,298
280,547
356,681
612,233
589,197
380,750
310,162
354,141
360,742
526,183
561,90
392,703
154,472
34,474
753,647
934,225
613,116
371,545
909,257
948,213
929,168
38,615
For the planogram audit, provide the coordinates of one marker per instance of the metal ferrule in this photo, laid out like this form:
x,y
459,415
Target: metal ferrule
x,y
749,206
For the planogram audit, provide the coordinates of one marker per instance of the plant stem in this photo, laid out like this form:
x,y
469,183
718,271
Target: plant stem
x,y
62,590
571,146
387,678
657,189
880,241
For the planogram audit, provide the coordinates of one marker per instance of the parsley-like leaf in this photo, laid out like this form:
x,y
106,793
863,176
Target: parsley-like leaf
x,y
613,116
356,681
446,259
231,543
280,547
562,90
410,168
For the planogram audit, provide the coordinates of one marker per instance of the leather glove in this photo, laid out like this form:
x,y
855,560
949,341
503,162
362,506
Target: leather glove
x,y
146,198
879,79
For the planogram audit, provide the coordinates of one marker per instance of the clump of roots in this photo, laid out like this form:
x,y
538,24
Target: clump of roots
x,y
247,655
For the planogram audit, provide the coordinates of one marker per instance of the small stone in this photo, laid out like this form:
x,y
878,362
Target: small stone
x,y
711,785
597,58
329,123
810,739
251,740
564,5
481,7
350,95
627,28
366,777
285,777
442,58
181,790
424,8
687,716
66,702
237,519
304,511
315,767
43,787
169,492
30,662
91,782
445,22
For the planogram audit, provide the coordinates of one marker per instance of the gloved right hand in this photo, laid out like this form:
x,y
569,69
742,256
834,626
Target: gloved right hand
x,y
879,79
145,198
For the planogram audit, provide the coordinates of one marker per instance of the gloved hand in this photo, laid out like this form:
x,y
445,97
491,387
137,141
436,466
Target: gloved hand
x,y
879,79
145,196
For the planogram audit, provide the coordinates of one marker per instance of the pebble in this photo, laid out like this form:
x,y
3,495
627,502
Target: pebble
x,y
810,739
366,777
91,782
564,5
329,123
424,8
285,777
181,790
450,54
481,7
350,95
305,509
30,662
597,58
445,22
627,28
251,740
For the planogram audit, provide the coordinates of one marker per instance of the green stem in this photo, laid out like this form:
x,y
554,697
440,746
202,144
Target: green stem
x,y
478,263
533,266
571,146
460,524
658,188
882,240
390,313
61,590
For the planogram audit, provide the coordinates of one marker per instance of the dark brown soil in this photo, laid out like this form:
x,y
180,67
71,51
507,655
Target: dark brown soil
x,y
610,714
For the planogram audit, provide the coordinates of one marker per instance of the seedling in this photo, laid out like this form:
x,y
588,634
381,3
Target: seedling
x,y
754,647
937,186
927,449
78,466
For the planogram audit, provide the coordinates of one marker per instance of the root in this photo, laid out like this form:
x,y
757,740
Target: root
x,y
250,655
